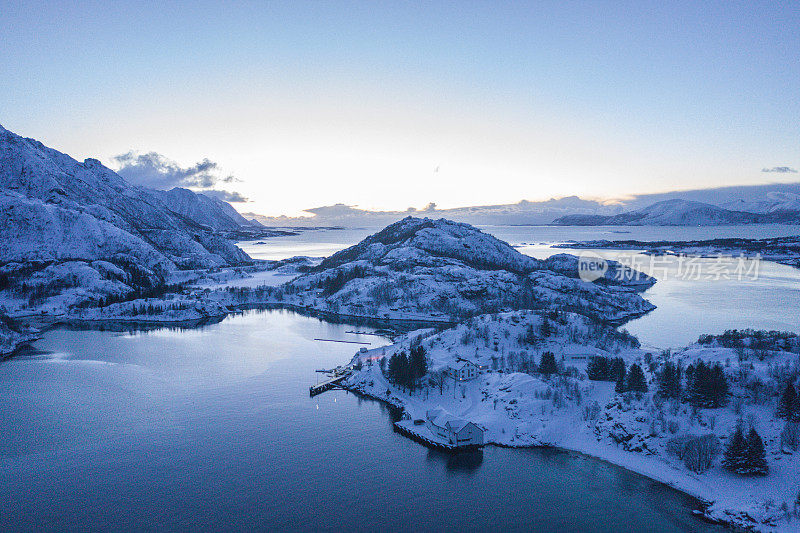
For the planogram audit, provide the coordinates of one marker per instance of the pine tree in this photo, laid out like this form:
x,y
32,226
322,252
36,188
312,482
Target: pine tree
x,y
597,368
717,387
786,405
756,460
418,363
636,381
796,409
689,373
735,456
617,371
545,329
670,381
548,363
666,379
696,384
400,370
620,386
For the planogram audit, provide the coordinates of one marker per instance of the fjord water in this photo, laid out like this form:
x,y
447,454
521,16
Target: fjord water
x,y
213,428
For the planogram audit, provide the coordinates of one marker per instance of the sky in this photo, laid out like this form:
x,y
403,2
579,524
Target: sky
x,y
388,105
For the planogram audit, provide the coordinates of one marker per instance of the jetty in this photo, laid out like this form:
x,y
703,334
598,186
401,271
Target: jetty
x,y
329,384
345,342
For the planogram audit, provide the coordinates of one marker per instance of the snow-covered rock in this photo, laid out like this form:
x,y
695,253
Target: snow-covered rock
x,y
152,310
784,250
89,189
772,202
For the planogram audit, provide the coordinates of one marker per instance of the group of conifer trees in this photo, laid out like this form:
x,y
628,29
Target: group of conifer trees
x,y
745,454
706,385
632,381
602,368
407,369
548,364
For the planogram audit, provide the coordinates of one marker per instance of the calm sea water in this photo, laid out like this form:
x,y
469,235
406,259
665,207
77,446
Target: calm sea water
x,y
320,243
213,428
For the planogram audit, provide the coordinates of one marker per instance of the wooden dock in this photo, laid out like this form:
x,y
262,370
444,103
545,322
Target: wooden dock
x,y
313,390
344,342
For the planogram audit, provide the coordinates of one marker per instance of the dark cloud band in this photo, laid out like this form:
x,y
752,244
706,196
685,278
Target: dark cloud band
x,y
780,170
227,196
156,171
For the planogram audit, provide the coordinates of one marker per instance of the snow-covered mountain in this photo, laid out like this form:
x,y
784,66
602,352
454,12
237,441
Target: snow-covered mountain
x,y
675,212
773,202
778,199
67,226
212,212
423,268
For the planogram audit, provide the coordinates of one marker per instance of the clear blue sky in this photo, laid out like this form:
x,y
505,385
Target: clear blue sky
x,y
323,102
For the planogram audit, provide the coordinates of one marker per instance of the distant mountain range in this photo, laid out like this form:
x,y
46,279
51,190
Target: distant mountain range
x,y
681,213
726,205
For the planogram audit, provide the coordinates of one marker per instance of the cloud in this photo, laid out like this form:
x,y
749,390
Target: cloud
x,y
158,172
227,196
780,170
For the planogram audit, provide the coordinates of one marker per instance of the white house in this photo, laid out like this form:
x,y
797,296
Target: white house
x,y
453,430
578,353
463,370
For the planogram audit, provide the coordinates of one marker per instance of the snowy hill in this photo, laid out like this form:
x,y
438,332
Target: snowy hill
x,y
429,269
674,212
80,228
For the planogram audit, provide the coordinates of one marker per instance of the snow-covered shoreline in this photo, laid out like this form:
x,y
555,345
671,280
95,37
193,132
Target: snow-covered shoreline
x,y
619,461
522,409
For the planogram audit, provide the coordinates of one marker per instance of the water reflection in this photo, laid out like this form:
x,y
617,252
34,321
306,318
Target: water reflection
x,y
463,462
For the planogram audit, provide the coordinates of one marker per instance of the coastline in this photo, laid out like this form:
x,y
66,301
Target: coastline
x,y
700,497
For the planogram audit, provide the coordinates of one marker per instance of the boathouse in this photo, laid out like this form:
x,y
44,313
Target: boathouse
x,y
453,430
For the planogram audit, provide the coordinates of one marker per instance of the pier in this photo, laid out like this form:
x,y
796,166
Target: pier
x,y
345,342
329,384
